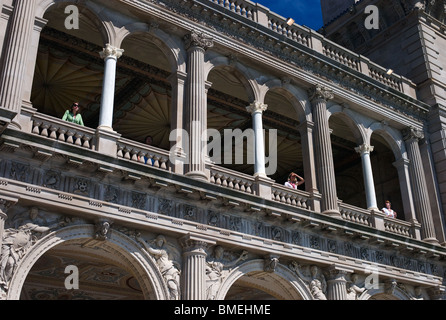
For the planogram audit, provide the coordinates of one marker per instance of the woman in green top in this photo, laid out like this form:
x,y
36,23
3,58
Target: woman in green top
x,y
73,115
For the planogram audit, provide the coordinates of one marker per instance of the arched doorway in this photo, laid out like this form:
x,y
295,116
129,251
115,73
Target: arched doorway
x,y
99,277
115,268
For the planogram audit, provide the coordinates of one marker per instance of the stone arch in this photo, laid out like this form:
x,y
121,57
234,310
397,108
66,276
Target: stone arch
x,y
105,29
381,294
283,282
170,46
392,137
126,249
297,96
250,85
350,119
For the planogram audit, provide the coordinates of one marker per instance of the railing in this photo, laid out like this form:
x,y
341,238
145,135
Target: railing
x,y
355,214
295,32
398,226
340,54
63,131
246,9
231,179
143,154
380,74
296,198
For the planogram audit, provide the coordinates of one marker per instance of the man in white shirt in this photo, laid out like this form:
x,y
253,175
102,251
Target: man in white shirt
x,y
388,211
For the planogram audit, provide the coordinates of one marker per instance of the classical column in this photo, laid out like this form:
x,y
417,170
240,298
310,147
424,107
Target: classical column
x,y
15,54
194,267
196,104
256,109
110,55
336,283
419,187
324,156
364,150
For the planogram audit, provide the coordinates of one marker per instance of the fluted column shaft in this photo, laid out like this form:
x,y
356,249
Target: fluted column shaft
x,y
110,55
256,109
337,285
15,54
324,155
196,104
369,185
419,185
194,269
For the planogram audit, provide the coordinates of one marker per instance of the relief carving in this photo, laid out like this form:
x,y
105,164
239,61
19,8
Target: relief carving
x,y
218,265
17,241
167,258
313,277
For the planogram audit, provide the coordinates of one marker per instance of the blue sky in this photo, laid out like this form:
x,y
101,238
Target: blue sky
x,y
304,12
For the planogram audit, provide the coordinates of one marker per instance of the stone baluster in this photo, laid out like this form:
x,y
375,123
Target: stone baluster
x,y
324,157
419,186
196,104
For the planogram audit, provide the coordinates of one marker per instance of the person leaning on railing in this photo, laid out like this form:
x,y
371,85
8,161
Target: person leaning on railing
x,y
388,210
73,115
292,181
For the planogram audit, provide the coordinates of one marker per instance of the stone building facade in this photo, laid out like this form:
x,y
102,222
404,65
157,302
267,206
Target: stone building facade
x,y
92,212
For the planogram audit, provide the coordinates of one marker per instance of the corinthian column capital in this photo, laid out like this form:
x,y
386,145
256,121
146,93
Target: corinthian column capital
x,y
195,39
412,133
256,107
319,92
364,148
110,51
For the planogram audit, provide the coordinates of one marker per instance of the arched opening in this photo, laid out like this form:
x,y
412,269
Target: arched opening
x,y
143,105
347,162
281,116
101,276
387,183
250,281
68,66
226,112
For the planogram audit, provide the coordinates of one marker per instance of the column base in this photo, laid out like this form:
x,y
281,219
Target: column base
x,y
197,175
332,213
431,240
